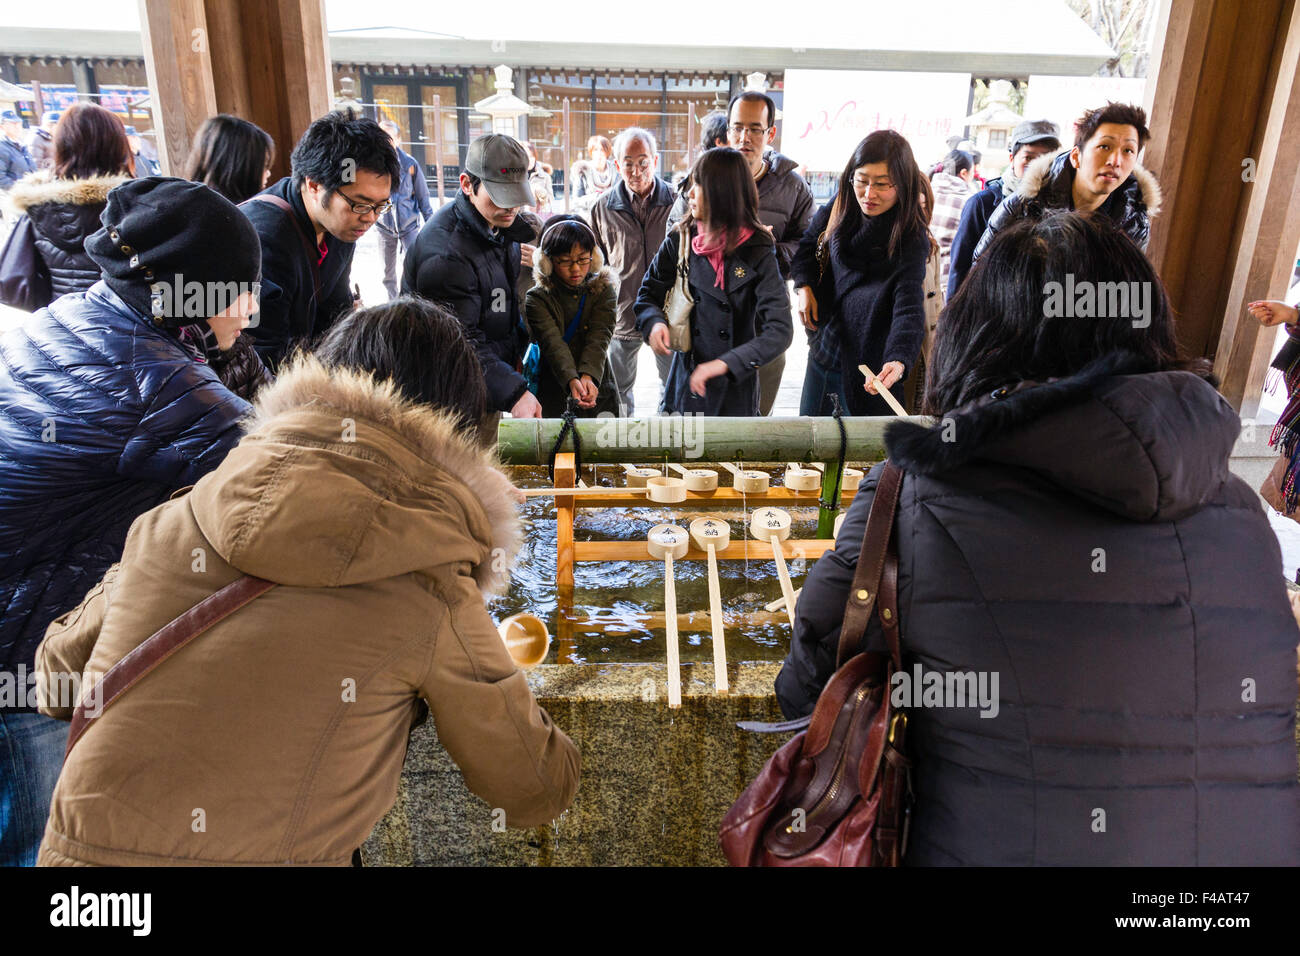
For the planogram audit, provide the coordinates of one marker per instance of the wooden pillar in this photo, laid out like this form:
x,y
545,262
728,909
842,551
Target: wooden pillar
x,y
266,61
179,68
1223,107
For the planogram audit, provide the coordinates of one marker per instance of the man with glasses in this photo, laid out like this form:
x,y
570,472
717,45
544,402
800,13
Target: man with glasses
x,y
630,221
342,172
468,257
785,200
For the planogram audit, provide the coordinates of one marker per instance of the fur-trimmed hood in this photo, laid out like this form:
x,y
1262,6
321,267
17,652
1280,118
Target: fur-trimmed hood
x,y
1150,447
1051,173
41,187
341,480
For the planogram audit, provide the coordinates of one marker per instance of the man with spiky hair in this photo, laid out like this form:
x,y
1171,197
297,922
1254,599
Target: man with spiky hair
x,y
343,171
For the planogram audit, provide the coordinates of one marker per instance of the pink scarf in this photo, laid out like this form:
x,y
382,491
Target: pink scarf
x,y
713,246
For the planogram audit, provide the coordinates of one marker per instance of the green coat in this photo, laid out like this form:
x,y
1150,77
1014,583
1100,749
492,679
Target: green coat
x,y
549,307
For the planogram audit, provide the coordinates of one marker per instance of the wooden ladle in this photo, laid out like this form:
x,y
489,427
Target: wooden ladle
x,y
669,541
710,534
773,525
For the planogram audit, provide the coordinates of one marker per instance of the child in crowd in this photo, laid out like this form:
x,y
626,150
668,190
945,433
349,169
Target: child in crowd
x,y
571,311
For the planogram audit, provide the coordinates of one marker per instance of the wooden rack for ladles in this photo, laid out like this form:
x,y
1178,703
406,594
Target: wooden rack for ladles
x,y
569,551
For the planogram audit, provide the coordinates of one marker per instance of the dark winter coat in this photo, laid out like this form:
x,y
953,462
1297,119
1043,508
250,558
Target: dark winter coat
x,y
630,243
746,326
102,416
1085,541
550,306
458,261
45,256
974,220
15,163
785,205
293,312
1048,183
875,305
410,199
40,149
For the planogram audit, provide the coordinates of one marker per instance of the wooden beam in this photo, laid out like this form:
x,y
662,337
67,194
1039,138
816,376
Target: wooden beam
x,y
1222,92
179,68
747,549
1263,266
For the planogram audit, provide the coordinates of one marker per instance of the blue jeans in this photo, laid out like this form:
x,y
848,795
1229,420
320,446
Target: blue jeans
x,y
819,384
31,756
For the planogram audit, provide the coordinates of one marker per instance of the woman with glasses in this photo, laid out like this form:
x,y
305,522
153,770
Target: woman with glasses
x,y
741,317
859,275
571,312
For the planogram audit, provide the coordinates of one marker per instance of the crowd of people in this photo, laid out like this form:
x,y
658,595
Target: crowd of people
x,y
195,402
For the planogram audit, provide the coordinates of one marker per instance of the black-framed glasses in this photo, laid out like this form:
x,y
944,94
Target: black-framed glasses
x,y
361,208
754,130
582,262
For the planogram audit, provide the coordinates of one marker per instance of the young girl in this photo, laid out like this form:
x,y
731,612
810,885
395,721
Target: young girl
x,y
741,318
571,312
859,275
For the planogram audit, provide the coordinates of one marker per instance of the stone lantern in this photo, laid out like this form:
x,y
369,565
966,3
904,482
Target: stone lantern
x,y
503,106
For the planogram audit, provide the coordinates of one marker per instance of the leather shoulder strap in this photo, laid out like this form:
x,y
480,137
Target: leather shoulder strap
x,y
162,645
877,570
309,246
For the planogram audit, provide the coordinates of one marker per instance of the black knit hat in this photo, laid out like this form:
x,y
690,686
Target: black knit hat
x,y
174,250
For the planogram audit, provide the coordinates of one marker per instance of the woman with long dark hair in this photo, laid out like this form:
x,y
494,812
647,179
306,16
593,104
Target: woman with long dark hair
x,y
741,318
232,156
858,274
45,254
1074,550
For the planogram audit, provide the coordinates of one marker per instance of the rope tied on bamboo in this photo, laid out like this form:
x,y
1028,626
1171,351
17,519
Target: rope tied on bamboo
x,y
834,502
569,427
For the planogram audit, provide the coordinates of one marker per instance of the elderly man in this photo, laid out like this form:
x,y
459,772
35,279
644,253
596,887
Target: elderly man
x,y
15,163
630,221
785,200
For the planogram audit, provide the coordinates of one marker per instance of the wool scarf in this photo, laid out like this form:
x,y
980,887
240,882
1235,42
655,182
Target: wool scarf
x,y
713,246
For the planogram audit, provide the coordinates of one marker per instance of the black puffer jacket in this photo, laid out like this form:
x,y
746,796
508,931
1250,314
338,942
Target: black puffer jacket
x,y
1085,542
1048,184
458,261
45,255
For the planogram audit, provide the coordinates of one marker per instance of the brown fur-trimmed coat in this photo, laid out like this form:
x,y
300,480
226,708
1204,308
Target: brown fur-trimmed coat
x,y
287,722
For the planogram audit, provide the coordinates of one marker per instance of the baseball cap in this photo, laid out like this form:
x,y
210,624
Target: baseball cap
x,y
9,116
501,162
1032,131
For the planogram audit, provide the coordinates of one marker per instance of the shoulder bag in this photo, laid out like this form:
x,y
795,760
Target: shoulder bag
x,y
678,304
839,794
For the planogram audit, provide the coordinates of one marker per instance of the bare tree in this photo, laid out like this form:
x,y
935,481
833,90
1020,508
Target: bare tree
x,y
1126,26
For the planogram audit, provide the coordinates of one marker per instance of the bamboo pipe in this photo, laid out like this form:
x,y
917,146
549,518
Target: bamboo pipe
x,y
709,534
884,392
529,441
668,541
773,525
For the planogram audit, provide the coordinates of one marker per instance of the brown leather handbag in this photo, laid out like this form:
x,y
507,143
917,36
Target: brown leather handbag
x,y
839,794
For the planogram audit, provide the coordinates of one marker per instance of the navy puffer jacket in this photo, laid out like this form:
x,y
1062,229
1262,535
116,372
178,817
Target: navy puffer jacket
x,y
1083,541
102,416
